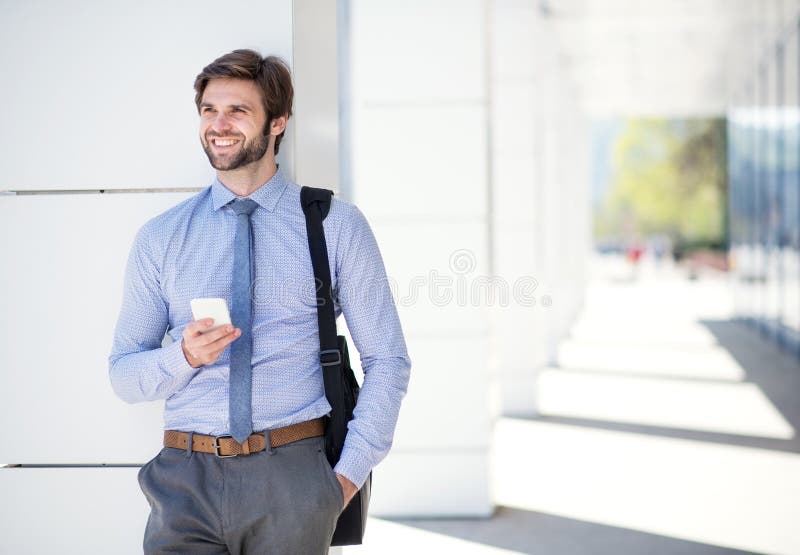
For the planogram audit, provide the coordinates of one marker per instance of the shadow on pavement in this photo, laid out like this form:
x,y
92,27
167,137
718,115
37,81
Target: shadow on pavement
x,y
543,534
774,371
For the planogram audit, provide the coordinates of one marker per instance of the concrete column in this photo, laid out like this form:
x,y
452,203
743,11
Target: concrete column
x,y
419,172
540,199
519,330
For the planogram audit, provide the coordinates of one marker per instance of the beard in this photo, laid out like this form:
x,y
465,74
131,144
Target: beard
x,y
250,151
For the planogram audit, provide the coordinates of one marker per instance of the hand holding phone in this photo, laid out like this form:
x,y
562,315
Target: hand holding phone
x,y
209,334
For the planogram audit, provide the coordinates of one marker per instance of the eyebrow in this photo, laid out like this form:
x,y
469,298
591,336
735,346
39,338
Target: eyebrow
x,y
243,106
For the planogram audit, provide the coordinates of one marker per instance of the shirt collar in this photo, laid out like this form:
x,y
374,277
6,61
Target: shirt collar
x,y
266,196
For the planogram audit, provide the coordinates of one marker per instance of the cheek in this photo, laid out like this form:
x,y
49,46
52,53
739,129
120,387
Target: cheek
x,y
245,130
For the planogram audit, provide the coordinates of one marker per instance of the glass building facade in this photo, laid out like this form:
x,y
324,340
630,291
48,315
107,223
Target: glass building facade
x,y
764,199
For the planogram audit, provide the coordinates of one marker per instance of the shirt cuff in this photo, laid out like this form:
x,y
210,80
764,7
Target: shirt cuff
x,y
174,362
353,465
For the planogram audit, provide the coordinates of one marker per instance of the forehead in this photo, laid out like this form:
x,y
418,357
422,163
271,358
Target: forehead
x,y
226,91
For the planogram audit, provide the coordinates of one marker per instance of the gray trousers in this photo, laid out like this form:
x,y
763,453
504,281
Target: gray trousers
x,y
283,501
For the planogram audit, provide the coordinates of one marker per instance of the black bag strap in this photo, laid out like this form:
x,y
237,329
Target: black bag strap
x,y
316,204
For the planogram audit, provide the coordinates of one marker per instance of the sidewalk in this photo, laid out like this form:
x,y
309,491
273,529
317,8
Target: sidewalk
x,y
665,428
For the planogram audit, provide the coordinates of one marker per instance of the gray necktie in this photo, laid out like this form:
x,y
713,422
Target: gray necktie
x,y
240,398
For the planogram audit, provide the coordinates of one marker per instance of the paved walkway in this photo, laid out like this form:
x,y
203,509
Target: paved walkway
x,y
665,427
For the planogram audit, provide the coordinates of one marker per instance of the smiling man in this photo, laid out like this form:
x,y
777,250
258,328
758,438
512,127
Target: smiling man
x,y
243,468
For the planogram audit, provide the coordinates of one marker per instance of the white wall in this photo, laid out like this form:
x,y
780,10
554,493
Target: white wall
x,y
420,144
98,96
102,91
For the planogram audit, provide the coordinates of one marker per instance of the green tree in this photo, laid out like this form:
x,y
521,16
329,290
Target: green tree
x,y
668,177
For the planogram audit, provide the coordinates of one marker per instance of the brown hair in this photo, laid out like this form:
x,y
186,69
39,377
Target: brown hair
x,y
271,74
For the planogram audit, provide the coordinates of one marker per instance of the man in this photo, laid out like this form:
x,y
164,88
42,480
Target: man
x,y
278,494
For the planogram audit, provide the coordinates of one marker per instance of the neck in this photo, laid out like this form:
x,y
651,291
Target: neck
x,y
247,179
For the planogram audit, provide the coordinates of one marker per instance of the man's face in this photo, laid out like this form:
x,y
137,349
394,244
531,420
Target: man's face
x,y
232,123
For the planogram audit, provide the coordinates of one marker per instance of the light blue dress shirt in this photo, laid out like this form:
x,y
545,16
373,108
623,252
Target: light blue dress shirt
x,y
187,252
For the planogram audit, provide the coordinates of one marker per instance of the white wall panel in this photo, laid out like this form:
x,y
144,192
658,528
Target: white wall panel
x,y
72,511
64,260
516,42
99,95
421,254
514,114
419,50
514,196
422,160
460,421
429,483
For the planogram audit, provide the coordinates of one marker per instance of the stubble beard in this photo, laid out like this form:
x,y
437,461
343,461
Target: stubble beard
x,y
252,151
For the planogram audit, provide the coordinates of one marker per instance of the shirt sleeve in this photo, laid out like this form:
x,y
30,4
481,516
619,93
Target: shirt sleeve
x,y
141,369
366,301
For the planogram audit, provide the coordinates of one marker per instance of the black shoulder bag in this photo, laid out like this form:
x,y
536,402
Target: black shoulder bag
x,y
341,387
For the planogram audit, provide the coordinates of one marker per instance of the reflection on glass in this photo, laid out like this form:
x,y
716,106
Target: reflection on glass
x,y
764,211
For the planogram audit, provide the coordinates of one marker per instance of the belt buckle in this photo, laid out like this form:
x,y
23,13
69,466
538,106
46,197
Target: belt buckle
x,y
216,448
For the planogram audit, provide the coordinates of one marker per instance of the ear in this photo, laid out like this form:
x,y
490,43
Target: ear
x,y
278,125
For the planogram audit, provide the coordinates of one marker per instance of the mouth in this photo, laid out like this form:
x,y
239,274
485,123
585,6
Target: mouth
x,y
223,144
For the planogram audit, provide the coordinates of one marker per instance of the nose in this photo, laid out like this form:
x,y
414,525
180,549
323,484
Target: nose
x,y
221,123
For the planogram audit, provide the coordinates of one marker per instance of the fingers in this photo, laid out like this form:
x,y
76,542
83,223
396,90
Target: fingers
x,y
197,327
215,335
205,348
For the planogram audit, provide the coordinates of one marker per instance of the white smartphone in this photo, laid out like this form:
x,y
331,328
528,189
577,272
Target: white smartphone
x,y
211,308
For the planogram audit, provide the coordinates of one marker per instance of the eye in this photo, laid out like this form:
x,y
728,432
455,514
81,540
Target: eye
x,y
238,110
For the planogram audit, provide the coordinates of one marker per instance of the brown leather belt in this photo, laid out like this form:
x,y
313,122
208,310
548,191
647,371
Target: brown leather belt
x,y
226,446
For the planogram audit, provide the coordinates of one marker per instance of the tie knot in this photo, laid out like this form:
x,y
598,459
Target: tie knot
x,y
243,206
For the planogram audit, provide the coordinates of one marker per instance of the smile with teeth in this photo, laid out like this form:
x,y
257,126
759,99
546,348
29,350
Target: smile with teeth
x,y
224,142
